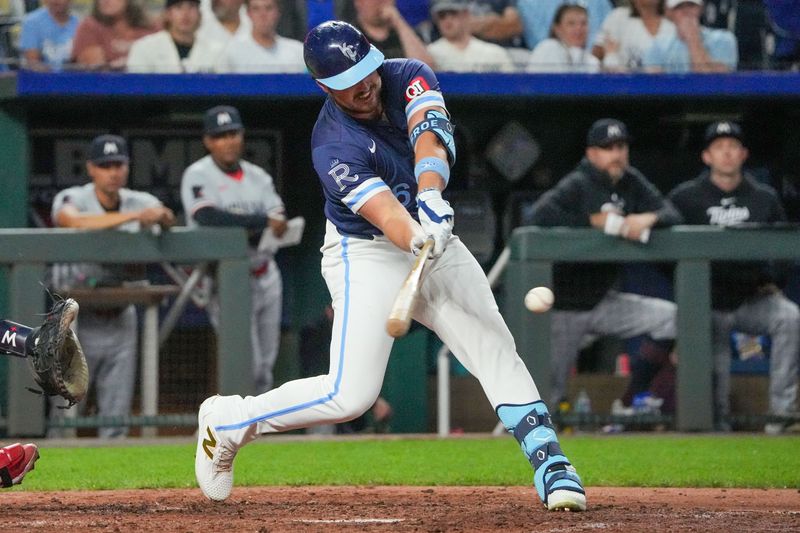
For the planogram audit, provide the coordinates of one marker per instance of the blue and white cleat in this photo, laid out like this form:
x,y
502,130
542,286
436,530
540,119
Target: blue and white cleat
x,y
555,479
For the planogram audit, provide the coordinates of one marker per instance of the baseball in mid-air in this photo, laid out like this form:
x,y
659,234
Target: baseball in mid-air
x,y
539,299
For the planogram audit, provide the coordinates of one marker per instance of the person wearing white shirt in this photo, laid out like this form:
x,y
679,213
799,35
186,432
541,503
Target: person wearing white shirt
x,y
457,50
222,20
262,50
175,49
565,49
628,32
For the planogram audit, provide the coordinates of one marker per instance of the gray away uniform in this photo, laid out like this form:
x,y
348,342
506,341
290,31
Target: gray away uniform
x,y
108,336
204,184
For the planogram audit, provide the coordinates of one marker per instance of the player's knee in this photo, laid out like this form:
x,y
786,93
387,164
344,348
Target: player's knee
x,y
352,406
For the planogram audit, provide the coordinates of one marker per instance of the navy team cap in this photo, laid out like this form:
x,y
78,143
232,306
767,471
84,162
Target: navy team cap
x,y
108,149
606,132
222,119
723,128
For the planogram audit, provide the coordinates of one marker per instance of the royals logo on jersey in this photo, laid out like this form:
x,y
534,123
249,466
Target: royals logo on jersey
x,y
416,87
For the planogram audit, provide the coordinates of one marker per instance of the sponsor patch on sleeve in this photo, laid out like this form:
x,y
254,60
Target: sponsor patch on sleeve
x,y
416,87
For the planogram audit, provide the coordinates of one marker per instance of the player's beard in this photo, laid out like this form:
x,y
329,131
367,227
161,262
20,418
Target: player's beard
x,y
365,104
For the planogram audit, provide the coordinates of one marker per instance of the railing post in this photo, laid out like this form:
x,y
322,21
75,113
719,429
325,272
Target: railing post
x,y
531,331
25,410
234,353
695,395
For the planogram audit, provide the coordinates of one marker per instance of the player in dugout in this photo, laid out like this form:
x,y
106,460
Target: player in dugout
x,y
383,147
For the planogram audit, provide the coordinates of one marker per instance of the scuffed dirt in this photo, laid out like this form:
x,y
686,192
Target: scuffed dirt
x,y
268,509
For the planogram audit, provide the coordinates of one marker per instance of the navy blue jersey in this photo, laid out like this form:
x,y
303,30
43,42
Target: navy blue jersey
x,y
357,159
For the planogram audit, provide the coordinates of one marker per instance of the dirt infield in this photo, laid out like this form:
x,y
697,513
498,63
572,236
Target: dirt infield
x,y
393,509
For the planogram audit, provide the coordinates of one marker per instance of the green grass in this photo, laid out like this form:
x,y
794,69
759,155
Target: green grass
x,y
627,460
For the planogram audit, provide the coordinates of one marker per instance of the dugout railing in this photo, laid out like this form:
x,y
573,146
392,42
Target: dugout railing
x,y
533,251
25,254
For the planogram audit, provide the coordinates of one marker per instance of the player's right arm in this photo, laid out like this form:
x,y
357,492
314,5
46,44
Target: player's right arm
x,y
388,215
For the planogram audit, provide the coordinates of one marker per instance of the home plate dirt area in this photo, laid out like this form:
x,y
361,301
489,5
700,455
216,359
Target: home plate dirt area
x,y
267,509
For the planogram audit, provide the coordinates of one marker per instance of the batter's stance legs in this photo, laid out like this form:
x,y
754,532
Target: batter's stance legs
x,y
554,478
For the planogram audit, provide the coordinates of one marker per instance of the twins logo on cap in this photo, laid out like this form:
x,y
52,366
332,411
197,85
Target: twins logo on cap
x,y
110,148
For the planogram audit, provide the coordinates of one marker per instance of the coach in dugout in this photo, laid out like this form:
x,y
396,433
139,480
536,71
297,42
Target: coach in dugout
x,y
606,193
108,335
744,296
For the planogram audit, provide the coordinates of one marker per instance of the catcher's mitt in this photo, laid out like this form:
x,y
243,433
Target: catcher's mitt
x,y
55,355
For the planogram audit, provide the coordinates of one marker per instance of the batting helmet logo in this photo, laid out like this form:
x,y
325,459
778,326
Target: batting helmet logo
x,y
348,50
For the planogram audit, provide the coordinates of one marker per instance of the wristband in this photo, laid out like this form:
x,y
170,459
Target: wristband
x,y
432,164
613,225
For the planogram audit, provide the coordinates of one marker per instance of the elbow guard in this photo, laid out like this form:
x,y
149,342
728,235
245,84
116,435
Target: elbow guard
x,y
437,123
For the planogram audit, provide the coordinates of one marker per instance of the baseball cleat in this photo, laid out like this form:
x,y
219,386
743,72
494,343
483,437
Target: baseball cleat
x,y
213,458
566,500
17,460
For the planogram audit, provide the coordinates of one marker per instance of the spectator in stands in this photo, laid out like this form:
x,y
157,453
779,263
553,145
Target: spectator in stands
x,y
606,193
176,48
565,50
498,21
108,334
47,33
388,31
784,16
11,12
457,50
745,296
537,17
628,32
222,20
104,38
693,48
749,22
263,50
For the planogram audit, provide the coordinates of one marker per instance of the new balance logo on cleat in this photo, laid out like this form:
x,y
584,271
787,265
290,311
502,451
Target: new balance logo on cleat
x,y
209,444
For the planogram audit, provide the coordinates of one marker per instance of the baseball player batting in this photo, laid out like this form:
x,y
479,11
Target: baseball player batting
x,y
383,148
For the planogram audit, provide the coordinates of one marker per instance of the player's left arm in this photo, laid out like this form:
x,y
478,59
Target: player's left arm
x,y
431,136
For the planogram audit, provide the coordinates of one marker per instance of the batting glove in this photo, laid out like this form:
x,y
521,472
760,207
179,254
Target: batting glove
x,y
436,219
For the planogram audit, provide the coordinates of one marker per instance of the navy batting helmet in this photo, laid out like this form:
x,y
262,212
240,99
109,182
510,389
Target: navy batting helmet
x,y
339,56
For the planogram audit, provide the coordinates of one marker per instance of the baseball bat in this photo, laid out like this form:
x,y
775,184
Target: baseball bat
x,y
400,316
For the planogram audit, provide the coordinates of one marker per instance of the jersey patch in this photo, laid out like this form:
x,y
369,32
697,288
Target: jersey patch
x,y
416,87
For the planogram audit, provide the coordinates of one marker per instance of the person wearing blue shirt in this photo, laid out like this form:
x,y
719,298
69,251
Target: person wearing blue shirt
x,y
693,48
46,37
383,147
537,18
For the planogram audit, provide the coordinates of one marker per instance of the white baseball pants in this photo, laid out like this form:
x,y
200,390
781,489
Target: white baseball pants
x,y
363,277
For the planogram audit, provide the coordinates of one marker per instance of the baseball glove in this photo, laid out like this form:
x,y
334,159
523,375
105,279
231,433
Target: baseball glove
x,y
55,355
